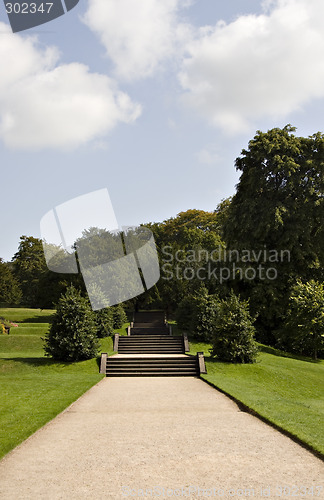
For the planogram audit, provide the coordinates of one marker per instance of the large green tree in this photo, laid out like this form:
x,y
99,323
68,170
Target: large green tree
x,y
40,287
279,201
10,292
279,207
29,266
184,243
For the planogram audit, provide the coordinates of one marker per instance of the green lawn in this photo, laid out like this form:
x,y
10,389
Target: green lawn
x,y
33,388
286,390
22,315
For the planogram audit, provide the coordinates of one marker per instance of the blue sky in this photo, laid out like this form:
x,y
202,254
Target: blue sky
x,y
153,100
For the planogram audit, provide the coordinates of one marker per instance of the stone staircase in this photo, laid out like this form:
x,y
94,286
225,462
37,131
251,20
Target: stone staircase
x,y
150,350
149,323
151,344
151,366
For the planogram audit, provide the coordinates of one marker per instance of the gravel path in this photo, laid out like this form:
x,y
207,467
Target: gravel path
x,y
160,437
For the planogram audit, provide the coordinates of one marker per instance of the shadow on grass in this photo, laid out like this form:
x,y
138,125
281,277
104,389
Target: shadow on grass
x,y
38,319
283,354
41,361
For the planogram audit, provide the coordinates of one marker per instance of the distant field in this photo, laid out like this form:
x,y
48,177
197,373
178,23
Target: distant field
x,y
33,388
286,390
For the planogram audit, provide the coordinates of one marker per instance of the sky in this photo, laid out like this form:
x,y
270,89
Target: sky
x,y
152,100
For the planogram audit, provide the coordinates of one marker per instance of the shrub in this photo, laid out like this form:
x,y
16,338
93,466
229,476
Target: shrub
x,y
303,331
185,313
119,316
72,336
233,332
105,322
196,314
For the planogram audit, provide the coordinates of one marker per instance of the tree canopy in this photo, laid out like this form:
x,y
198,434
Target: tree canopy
x,y
279,207
10,292
279,203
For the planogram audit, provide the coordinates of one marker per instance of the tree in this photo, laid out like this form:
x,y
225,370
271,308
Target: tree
x,y
105,322
304,326
233,332
29,265
280,197
10,292
182,243
40,287
73,333
196,314
279,206
119,316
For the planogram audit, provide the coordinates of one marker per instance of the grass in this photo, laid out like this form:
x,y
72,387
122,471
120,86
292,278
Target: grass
x,y
33,388
21,315
287,391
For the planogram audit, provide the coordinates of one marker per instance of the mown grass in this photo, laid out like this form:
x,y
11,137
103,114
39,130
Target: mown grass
x,y
33,388
288,391
21,315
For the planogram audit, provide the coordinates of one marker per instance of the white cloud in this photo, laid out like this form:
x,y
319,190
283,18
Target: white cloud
x,y
138,35
47,105
257,66
208,156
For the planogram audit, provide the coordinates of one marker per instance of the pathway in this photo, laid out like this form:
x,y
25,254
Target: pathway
x,y
173,437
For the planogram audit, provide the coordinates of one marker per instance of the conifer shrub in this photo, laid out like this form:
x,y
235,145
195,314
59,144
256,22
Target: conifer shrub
x,y
73,333
233,332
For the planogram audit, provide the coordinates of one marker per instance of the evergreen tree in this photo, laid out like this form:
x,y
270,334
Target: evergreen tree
x,y
73,333
233,332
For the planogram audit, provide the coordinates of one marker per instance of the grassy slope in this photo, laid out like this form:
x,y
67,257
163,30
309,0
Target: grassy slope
x,y
34,389
287,391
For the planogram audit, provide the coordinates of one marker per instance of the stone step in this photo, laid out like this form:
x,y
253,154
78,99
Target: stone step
x,y
149,332
150,346
147,365
151,343
153,374
159,366
150,351
150,338
155,338
156,348
149,316
149,324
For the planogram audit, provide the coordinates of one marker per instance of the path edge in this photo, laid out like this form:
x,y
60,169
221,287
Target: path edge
x,y
254,413
49,422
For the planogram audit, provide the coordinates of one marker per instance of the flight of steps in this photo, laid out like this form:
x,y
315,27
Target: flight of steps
x,y
150,350
149,323
151,366
149,329
150,344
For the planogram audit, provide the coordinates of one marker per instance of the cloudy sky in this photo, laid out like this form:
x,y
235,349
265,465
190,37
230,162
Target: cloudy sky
x,y
152,99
